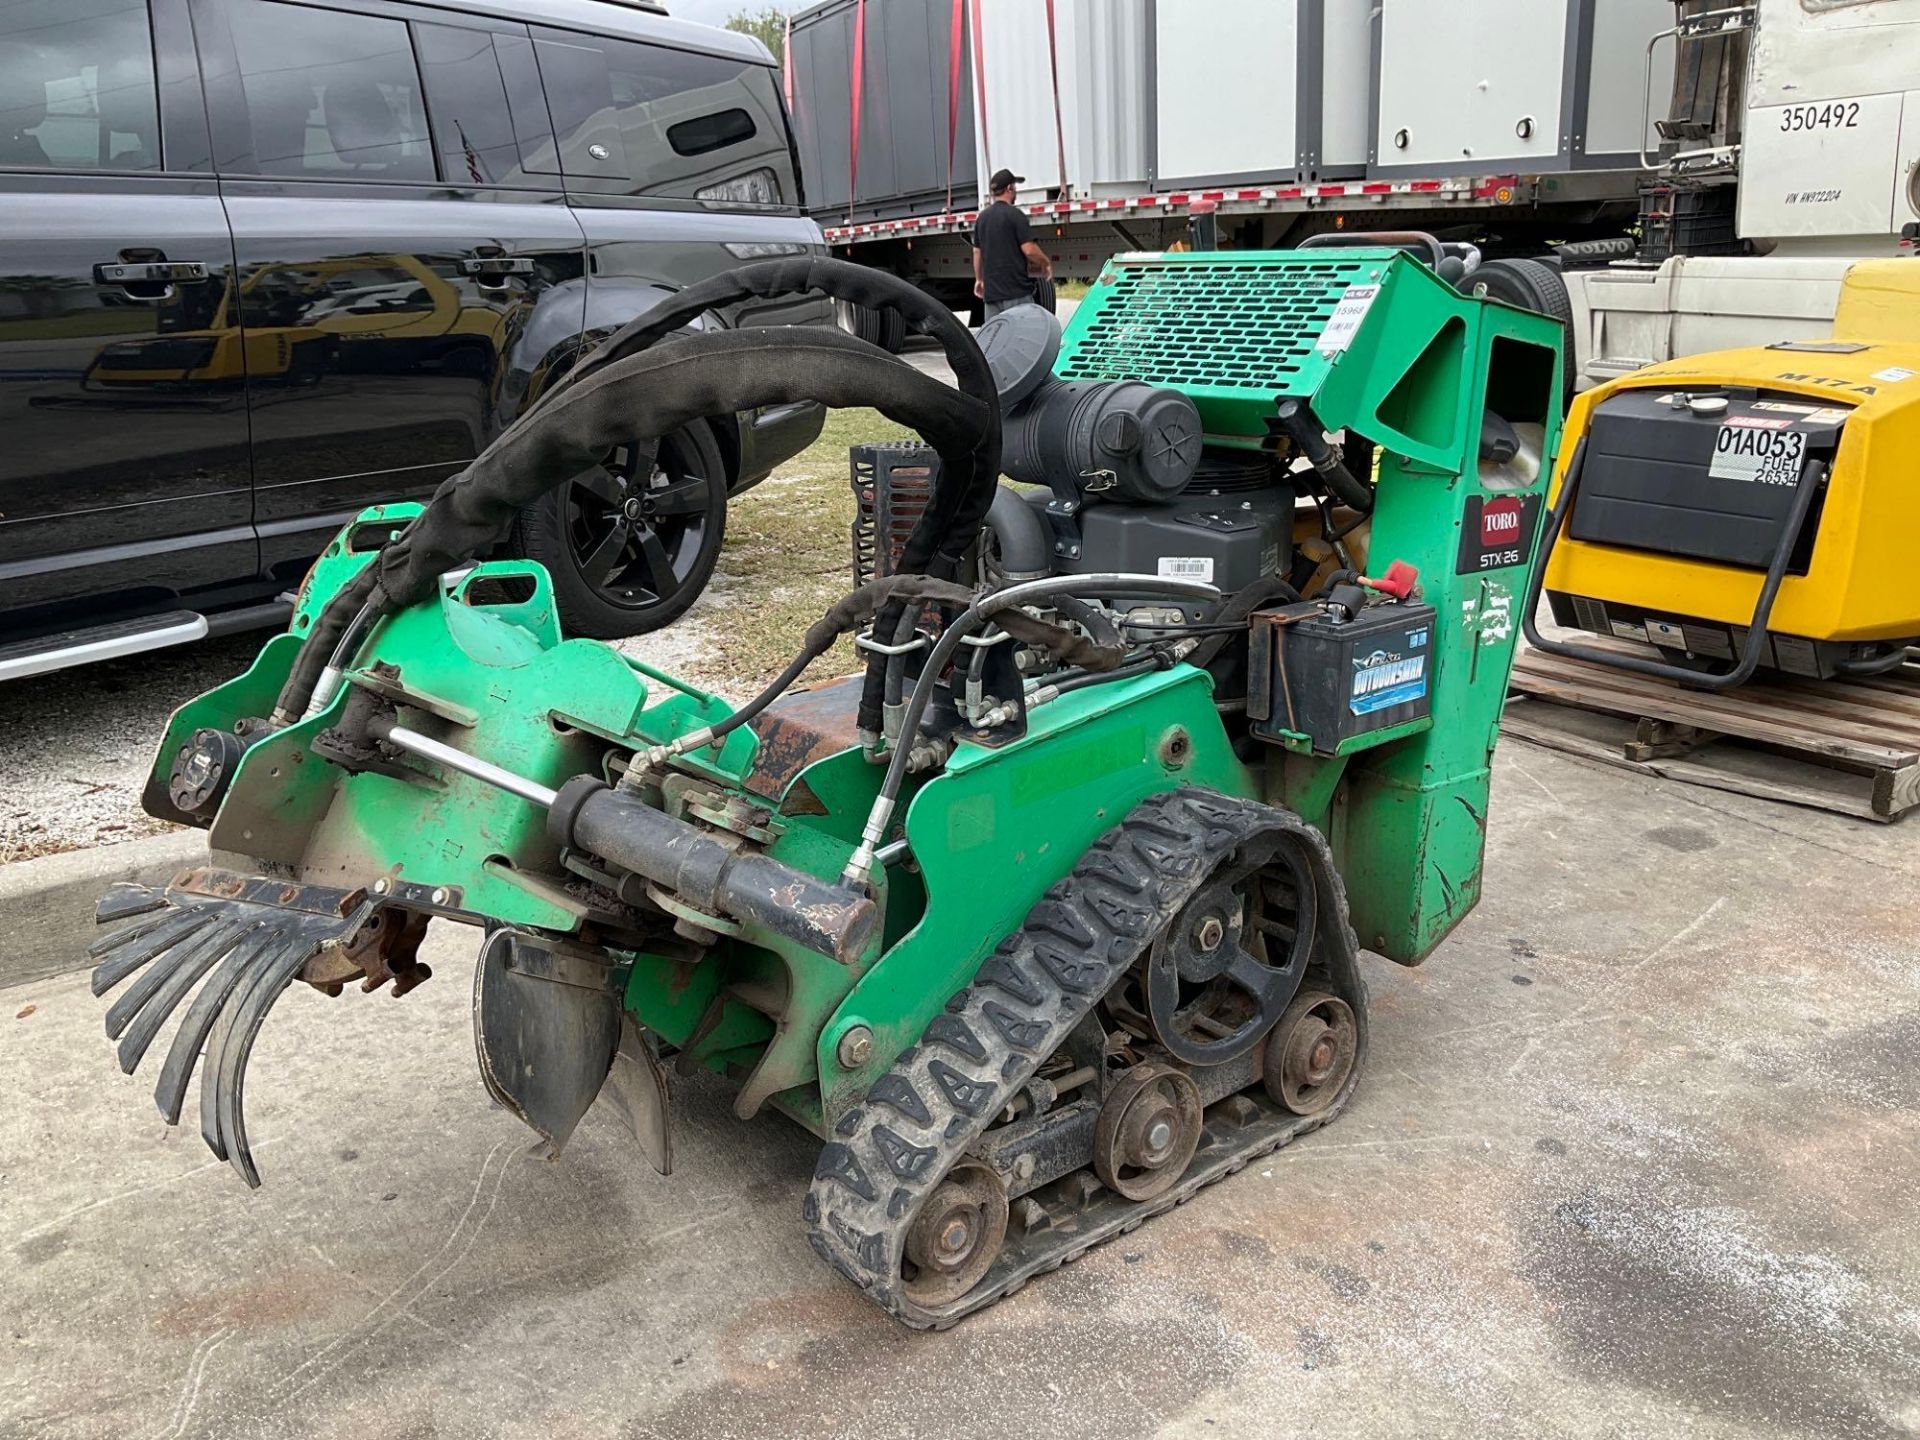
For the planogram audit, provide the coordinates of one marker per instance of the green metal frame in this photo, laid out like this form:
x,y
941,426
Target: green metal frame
x,y
484,667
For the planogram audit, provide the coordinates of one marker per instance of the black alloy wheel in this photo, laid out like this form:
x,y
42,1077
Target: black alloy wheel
x,y
629,552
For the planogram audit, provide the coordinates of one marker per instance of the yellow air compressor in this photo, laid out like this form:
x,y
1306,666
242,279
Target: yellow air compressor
x,y
1749,509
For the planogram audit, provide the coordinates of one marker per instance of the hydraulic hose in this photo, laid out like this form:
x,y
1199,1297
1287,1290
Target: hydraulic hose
x,y
625,391
984,608
1234,612
1296,417
1081,679
875,598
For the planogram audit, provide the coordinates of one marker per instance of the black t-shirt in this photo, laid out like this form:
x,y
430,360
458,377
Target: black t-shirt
x,y
998,235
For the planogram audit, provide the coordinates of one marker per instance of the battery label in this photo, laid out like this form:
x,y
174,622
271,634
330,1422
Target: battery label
x,y
1767,452
1390,677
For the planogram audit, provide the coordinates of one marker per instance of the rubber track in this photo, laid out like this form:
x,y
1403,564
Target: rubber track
x,y
889,1154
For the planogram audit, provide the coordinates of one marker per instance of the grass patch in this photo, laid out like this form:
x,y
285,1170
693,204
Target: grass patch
x,y
788,556
78,324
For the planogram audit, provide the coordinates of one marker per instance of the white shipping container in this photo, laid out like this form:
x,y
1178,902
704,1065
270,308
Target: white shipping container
x,y
1346,91
1101,48
1540,86
1260,90
1226,89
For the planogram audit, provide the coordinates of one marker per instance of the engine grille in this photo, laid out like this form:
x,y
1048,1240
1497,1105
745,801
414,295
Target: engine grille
x,y
1247,324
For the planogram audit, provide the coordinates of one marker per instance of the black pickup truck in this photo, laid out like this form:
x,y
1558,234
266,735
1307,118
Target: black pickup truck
x,y
263,263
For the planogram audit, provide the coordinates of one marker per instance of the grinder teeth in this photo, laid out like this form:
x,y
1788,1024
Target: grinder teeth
x,y
246,953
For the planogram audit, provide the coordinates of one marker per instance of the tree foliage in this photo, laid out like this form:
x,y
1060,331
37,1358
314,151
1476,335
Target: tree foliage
x,y
767,25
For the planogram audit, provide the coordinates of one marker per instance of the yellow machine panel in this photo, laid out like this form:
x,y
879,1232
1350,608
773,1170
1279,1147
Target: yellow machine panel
x,y
1700,484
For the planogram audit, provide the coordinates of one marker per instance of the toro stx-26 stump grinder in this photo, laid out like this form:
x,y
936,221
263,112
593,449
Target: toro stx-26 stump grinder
x,y
1045,921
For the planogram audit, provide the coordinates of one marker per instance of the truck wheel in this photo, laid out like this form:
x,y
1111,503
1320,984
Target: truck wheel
x,y
629,554
1529,285
885,328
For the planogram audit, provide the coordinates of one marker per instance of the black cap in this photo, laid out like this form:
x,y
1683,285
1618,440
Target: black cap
x,y
1004,180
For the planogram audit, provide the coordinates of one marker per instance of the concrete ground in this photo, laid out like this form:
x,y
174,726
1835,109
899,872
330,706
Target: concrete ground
x,y
1636,1156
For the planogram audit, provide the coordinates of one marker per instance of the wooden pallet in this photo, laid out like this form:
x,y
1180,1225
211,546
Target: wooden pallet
x,y
1856,742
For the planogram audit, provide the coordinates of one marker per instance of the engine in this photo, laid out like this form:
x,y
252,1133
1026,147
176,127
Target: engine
x,y
1120,477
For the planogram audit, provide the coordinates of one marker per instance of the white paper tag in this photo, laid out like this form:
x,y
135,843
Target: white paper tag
x,y
1344,323
1755,450
1186,567
1665,632
1894,374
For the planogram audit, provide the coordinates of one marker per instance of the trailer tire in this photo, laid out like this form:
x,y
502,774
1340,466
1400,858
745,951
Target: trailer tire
x,y
1529,285
885,328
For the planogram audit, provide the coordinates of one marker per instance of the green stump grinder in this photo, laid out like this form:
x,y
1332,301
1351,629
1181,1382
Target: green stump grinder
x,y
1045,918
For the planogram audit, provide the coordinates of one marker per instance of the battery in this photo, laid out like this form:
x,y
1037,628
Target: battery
x,y
1332,680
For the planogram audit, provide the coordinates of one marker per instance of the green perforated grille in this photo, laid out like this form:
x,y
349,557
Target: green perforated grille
x,y
1210,323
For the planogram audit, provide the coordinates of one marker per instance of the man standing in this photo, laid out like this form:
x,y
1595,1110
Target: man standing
x,y
1005,258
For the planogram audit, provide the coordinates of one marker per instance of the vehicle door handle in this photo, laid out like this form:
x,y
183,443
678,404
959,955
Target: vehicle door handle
x,y
497,267
152,272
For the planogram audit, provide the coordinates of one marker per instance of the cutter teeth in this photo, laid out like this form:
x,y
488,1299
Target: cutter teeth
x,y
246,953
179,977
213,940
226,1076
125,899
119,961
170,1092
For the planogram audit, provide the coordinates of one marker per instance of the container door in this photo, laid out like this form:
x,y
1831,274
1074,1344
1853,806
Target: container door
x,y
1227,112
124,462
406,284
1470,85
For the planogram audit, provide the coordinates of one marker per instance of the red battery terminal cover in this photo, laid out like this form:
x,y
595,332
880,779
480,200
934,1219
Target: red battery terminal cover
x,y
1397,582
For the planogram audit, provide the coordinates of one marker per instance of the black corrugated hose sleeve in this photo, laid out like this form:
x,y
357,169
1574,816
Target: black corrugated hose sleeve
x,y
967,435
648,394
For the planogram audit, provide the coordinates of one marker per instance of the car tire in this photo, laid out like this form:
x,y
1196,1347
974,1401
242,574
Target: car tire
x,y
605,542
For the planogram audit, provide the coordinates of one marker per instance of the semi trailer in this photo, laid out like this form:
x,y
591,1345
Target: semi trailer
x,y
1517,126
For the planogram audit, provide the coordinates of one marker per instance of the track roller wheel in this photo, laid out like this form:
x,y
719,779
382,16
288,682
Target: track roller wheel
x,y
1311,1052
1147,1131
1220,973
956,1237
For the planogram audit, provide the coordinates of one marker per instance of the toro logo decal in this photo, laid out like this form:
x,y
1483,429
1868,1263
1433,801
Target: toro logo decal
x,y
1500,521
1496,531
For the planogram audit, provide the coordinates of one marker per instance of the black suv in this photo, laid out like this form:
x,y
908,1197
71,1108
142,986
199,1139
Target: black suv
x,y
264,262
